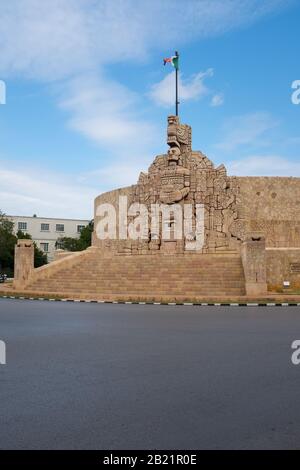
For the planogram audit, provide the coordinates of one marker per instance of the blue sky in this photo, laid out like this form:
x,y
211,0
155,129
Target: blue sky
x,y
88,96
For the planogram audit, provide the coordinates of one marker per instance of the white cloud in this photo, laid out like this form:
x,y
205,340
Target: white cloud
x,y
264,165
118,175
163,92
105,111
54,39
70,44
246,129
217,100
25,192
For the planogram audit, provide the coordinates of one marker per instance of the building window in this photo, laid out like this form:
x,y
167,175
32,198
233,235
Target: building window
x,y
60,227
45,247
22,226
79,228
59,245
45,227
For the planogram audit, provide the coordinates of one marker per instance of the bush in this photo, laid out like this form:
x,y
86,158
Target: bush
x,y
77,244
7,247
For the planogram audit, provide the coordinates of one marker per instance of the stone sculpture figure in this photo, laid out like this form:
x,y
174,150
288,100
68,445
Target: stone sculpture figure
x,y
183,176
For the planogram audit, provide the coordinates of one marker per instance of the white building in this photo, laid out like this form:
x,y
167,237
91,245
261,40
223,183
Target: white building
x,y
46,231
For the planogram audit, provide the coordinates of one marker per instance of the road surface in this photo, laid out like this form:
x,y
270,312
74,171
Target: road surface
x,y
107,376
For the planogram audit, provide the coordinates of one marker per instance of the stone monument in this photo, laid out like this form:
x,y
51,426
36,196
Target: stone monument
x,y
246,241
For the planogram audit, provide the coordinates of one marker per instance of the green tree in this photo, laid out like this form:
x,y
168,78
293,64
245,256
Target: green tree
x,y
7,245
8,241
40,258
68,243
86,233
77,244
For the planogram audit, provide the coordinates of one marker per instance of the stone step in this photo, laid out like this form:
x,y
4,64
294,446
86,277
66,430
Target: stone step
x,y
189,275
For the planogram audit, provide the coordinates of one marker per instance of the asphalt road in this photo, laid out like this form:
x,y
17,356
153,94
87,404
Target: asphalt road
x,y
91,376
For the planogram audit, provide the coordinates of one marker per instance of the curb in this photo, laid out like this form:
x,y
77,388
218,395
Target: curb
x,y
192,304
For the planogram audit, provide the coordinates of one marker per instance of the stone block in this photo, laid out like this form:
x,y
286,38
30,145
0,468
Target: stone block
x,y
24,262
253,253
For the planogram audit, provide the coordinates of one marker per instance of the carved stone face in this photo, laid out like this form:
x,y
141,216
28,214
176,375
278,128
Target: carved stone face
x,y
178,134
173,120
173,124
174,154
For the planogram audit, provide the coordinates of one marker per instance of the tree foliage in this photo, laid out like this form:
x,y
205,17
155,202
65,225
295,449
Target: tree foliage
x,y
77,244
8,241
7,245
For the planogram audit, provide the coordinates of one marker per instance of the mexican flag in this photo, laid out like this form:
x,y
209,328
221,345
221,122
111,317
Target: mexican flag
x,y
172,60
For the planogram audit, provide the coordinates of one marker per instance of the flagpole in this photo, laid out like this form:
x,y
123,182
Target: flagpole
x,y
176,85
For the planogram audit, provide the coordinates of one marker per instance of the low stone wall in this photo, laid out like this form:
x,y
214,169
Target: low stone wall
x,y
283,264
30,274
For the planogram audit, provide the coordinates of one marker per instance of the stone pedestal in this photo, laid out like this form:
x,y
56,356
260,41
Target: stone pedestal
x,y
24,262
253,253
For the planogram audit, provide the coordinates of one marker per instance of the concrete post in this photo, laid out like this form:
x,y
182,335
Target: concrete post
x,y
253,253
24,262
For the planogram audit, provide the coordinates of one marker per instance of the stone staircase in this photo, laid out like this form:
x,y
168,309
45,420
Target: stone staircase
x,y
90,275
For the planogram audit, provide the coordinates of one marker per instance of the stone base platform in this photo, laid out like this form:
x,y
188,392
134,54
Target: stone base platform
x,y
89,274
270,298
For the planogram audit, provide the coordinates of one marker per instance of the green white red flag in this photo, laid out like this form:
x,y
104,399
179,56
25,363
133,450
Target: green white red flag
x,y
172,60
